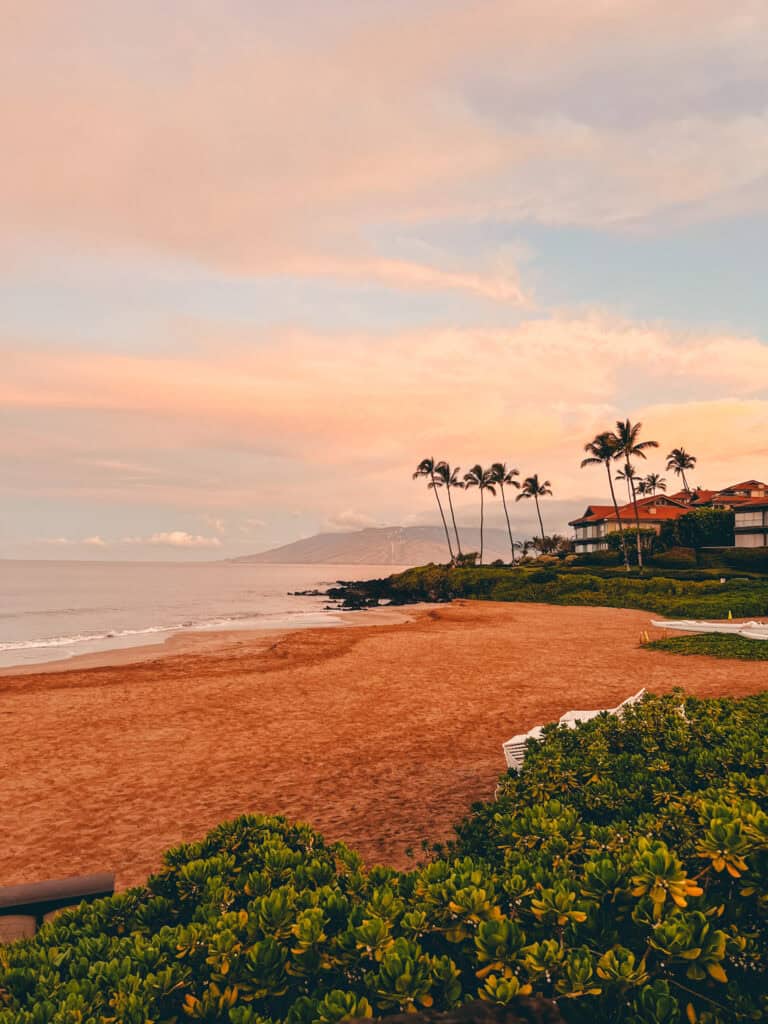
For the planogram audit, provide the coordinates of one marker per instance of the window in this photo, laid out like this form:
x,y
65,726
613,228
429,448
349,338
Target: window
x,y
749,518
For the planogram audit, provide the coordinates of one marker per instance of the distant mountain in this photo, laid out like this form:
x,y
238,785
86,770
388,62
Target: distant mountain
x,y
388,545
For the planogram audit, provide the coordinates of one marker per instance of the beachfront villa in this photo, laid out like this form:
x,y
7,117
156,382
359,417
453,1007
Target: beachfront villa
x,y
748,499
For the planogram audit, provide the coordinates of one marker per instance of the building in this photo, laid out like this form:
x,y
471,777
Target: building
x,y
592,528
748,499
751,524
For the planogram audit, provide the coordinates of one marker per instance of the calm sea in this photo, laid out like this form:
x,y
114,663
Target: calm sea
x,y
54,610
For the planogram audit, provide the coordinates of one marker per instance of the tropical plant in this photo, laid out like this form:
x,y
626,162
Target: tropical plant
x,y
532,487
628,446
449,478
506,477
484,480
678,461
655,483
428,468
601,452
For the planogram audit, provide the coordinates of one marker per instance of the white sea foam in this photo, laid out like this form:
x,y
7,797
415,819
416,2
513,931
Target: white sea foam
x,y
55,610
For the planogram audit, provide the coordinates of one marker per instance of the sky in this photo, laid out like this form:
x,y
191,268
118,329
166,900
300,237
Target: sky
x,y
257,260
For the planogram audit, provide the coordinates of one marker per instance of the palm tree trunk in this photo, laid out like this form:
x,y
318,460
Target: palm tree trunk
x,y
509,528
637,524
453,517
538,513
685,482
481,525
442,516
618,517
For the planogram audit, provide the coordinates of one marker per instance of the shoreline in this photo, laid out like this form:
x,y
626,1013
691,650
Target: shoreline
x,y
203,641
381,736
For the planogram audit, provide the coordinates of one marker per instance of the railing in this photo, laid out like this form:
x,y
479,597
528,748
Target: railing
x,y
36,899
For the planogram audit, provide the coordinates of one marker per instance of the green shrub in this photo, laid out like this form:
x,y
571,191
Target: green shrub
x,y
624,872
716,645
677,593
699,528
746,560
674,558
610,557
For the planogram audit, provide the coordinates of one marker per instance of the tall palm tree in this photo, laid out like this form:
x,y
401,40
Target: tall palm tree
x,y
654,483
531,487
628,446
448,478
600,452
678,461
484,480
642,487
427,468
502,477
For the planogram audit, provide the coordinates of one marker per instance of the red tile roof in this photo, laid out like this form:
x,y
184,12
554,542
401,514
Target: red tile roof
x,y
753,503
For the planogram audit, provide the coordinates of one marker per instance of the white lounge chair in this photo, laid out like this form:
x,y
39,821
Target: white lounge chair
x,y
693,626
514,748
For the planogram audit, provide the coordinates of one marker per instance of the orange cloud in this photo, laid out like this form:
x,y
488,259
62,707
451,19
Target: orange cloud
x,y
320,416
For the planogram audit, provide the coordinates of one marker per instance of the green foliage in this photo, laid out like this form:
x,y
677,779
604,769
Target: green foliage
x,y
624,872
743,559
699,528
674,558
718,645
701,597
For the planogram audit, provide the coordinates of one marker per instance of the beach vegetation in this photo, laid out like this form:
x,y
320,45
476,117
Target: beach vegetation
x,y
484,480
628,446
428,468
676,593
715,645
601,451
678,460
623,873
534,488
505,476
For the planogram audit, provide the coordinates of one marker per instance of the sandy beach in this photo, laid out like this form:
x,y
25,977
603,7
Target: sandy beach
x,y
381,735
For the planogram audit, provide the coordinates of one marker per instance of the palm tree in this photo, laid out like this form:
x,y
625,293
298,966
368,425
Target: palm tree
x,y
642,486
628,446
654,483
628,474
448,478
678,461
427,468
600,453
485,481
503,476
532,488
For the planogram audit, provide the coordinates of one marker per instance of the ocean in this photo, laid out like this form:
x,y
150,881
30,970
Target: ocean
x,y
53,610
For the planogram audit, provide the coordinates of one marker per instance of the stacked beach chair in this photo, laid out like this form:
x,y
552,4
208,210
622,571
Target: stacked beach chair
x,y
514,749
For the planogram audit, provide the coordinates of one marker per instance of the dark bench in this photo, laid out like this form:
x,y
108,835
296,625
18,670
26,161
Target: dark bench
x,y
36,899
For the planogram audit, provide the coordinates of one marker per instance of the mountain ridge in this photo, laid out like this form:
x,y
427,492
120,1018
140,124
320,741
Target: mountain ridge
x,y
382,545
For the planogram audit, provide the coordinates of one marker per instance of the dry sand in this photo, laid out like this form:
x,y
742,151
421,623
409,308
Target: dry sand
x,y
381,736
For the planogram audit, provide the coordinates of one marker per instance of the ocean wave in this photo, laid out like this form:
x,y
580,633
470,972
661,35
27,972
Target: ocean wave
x,y
119,634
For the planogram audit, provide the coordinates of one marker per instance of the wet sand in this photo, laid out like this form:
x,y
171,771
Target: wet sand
x,y
381,736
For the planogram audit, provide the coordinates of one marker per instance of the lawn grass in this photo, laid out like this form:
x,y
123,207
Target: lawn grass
x,y
717,645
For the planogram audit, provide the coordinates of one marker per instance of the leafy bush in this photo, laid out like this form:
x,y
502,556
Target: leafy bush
x,y
699,528
717,645
623,872
745,559
674,558
701,597
611,557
